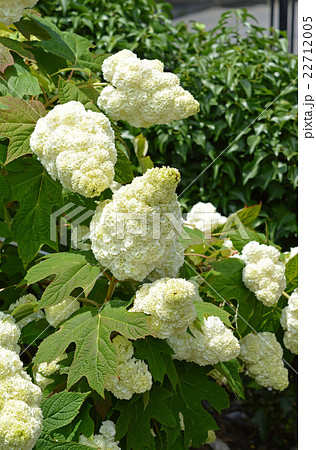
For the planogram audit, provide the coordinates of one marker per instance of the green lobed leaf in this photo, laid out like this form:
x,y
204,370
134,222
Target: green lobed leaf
x,y
17,122
56,43
291,274
4,190
228,285
67,92
248,214
95,355
71,269
81,49
194,387
5,232
230,370
34,331
205,309
60,409
242,236
6,58
156,352
135,418
123,168
18,80
21,48
37,193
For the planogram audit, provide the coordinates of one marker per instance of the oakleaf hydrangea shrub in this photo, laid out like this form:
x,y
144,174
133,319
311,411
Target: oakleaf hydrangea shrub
x,y
118,320
234,72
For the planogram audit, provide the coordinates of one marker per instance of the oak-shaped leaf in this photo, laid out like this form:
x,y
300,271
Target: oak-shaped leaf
x,y
6,58
72,270
68,92
52,39
195,393
123,168
205,309
37,193
157,353
136,415
226,284
90,329
17,122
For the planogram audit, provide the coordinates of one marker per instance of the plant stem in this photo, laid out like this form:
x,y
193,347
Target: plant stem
x,y
87,300
285,295
71,74
52,100
197,254
106,275
111,289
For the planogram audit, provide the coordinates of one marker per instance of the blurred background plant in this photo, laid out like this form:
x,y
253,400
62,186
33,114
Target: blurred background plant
x,y
236,73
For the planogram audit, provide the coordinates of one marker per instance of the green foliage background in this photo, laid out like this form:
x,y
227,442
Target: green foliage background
x,y
235,77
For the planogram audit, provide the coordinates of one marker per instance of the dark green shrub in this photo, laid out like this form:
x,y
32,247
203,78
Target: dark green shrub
x,y
245,81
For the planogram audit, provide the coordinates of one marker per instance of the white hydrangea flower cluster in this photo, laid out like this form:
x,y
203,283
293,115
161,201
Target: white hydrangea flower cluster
x,y
9,334
289,322
28,298
79,236
263,357
77,147
133,376
133,234
20,414
105,440
169,301
204,217
61,311
216,344
12,11
263,274
44,371
141,93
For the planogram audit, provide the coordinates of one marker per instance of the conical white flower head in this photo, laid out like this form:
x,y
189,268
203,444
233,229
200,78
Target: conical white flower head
x,y
9,332
134,234
141,93
263,274
133,375
263,357
77,147
216,344
169,301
